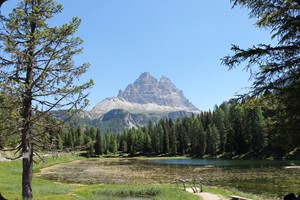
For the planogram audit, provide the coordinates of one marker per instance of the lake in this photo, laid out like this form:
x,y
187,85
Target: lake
x,y
270,178
228,163
267,179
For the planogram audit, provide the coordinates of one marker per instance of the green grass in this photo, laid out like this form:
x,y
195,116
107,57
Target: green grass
x,y
227,192
117,192
45,189
11,178
230,192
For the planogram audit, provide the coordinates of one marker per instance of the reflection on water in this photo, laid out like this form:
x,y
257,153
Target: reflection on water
x,y
227,163
263,177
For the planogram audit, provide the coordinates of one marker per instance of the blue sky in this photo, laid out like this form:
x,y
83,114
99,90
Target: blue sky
x,y
181,39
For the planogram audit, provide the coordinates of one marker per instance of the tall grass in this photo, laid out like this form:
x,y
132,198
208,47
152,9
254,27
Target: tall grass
x,y
119,192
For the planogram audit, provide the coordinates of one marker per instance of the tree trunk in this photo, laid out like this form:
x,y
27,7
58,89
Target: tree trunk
x,y
27,148
27,175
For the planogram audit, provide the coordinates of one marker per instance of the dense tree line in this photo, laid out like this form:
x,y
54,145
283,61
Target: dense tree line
x,y
231,129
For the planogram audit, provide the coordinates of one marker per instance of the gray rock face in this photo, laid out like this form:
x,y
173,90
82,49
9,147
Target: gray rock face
x,y
147,89
146,98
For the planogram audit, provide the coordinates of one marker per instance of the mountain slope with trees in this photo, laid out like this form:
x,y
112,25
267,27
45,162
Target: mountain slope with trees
x,y
231,130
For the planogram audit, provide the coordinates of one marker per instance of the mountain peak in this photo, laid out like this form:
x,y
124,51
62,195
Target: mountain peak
x,y
147,89
145,79
145,75
146,98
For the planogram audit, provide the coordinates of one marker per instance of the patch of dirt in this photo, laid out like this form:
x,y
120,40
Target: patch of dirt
x,y
206,195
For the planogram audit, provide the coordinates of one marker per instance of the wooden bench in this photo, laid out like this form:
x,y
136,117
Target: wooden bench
x,y
239,198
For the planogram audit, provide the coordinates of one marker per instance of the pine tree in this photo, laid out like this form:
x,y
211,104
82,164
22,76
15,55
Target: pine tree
x,y
152,135
123,142
79,137
219,121
201,138
214,140
173,138
166,137
278,70
178,131
131,139
113,144
236,142
147,147
159,136
182,135
90,145
254,128
186,132
37,66
124,146
98,143
92,132
195,136
105,149
139,140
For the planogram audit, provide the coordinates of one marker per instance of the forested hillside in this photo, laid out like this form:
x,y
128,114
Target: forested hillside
x,y
232,130
241,130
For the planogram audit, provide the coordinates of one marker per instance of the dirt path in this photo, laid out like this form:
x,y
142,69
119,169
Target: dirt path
x,y
206,195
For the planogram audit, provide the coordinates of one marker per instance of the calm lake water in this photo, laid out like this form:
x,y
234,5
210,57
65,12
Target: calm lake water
x,y
228,163
269,179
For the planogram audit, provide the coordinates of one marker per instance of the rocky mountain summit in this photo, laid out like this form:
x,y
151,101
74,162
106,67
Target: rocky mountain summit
x,y
147,89
147,95
146,98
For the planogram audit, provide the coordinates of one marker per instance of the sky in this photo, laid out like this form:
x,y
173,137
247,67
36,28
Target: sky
x,y
181,39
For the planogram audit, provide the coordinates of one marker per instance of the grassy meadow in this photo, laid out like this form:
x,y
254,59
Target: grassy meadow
x,y
11,178
73,177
